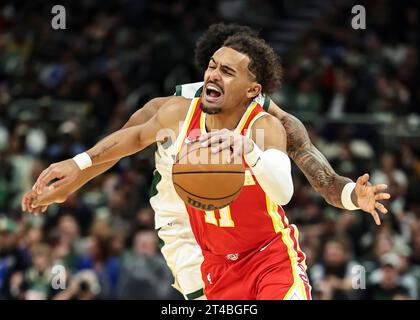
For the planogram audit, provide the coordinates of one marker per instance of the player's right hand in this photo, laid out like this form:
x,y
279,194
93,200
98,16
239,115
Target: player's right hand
x,y
65,171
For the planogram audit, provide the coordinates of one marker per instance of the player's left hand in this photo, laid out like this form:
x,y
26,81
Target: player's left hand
x,y
65,171
27,202
368,197
226,139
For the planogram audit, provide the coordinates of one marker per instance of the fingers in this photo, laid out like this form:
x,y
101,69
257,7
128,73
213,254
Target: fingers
x,y
36,211
375,216
380,187
44,180
382,196
22,204
213,137
36,203
363,179
236,156
225,144
44,200
41,176
216,139
58,183
32,203
205,136
37,208
26,201
208,138
219,140
381,208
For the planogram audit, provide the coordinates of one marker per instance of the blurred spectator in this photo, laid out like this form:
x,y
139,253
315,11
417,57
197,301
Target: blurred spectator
x,y
306,99
339,101
332,278
33,283
388,287
38,277
145,218
99,259
65,242
145,274
415,242
12,259
83,286
75,207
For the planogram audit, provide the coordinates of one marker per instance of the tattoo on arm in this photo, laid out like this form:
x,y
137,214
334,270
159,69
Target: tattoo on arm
x,y
101,152
312,162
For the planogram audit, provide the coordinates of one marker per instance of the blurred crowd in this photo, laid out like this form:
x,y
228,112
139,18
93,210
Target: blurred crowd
x,y
357,91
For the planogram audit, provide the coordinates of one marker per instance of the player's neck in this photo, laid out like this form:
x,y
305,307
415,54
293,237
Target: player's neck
x,y
228,118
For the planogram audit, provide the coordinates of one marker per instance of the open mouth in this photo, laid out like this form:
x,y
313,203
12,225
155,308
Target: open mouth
x,y
213,92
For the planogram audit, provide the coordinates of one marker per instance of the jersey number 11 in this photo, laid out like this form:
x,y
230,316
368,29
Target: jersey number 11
x,y
225,219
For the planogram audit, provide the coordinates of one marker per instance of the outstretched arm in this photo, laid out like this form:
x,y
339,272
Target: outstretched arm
x,y
115,146
139,117
321,175
313,164
61,193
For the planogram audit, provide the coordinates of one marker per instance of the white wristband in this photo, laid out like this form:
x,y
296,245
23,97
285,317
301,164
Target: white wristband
x,y
83,160
346,196
252,157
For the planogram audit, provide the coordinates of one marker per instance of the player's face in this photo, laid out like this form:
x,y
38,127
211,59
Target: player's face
x,y
228,81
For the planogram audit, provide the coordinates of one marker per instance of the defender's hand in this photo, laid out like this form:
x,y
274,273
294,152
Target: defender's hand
x,y
65,171
28,203
33,202
368,197
226,139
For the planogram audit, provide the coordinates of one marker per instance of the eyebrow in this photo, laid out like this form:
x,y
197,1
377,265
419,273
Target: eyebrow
x,y
224,66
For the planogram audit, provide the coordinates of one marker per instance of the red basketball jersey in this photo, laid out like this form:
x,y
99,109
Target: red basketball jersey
x,y
252,219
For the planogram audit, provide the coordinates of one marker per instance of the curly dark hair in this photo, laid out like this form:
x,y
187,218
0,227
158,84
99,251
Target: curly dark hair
x,y
213,39
265,63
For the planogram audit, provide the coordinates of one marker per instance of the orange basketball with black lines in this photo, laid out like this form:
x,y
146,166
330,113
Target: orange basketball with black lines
x,y
205,180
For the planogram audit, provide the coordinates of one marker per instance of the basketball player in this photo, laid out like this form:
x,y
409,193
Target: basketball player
x,y
180,248
112,147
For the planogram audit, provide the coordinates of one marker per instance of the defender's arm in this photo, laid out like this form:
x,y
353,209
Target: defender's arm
x,y
61,193
115,146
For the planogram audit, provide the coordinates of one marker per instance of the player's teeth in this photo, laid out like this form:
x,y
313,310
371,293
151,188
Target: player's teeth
x,y
213,88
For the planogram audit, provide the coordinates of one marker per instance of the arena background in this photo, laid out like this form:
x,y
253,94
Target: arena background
x,y
358,92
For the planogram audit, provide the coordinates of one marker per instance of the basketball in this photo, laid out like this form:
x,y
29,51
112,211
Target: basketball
x,y
204,180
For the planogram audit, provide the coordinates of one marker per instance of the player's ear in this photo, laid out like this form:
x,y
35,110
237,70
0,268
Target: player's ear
x,y
254,90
